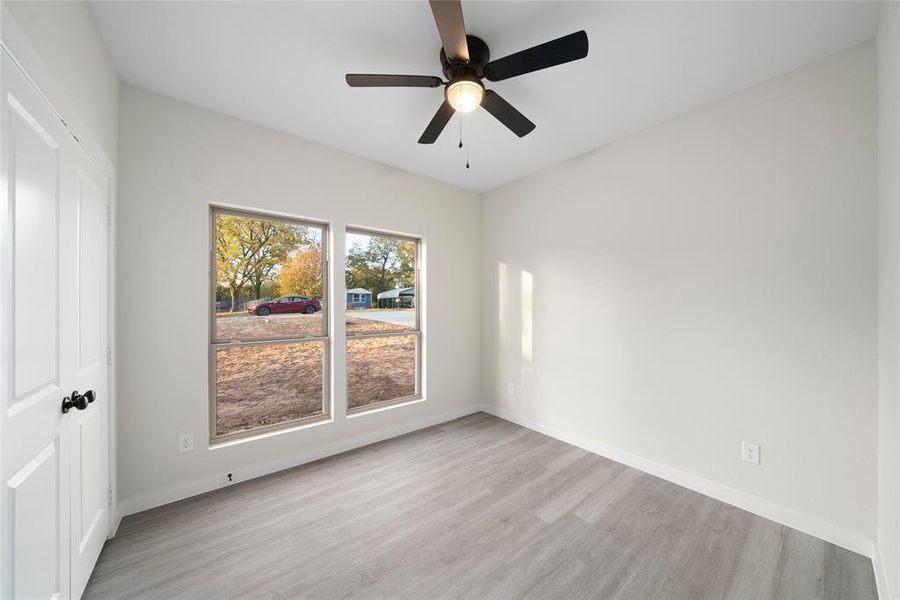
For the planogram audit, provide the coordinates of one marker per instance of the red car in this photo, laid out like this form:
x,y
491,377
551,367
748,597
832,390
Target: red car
x,y
288,304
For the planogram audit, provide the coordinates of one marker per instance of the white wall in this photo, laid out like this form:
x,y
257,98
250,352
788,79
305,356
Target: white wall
x,y
176,159
888,557
65,37
703,282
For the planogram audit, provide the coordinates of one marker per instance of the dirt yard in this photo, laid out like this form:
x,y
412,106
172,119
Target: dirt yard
x,y
265,385
380,369
242,326
272,383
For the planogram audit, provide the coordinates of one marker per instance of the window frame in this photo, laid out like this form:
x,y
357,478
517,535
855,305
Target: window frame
x,y
214,343
417,332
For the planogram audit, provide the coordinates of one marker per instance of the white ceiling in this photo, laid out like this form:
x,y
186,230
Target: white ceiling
x,y
282,64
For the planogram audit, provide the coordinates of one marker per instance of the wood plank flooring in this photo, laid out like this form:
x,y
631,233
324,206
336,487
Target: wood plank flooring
x,y
474,508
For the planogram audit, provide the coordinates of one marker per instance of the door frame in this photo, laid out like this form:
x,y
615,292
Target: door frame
x,y
15,44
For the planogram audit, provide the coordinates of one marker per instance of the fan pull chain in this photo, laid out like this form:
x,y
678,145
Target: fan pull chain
x,y
458,92
467,145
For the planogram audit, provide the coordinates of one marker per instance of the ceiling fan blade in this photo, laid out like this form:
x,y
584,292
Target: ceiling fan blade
x,y
549,54
357,80
438,122
448,17
504,112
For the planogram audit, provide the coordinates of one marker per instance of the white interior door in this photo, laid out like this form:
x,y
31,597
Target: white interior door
x,y
89,452
35,448
54,464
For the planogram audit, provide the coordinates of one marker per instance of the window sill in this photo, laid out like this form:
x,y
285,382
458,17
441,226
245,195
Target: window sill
x,y
253,435
381,406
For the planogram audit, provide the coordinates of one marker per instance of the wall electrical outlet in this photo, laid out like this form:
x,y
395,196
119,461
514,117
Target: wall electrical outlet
x,y
750,452
185,442
510,389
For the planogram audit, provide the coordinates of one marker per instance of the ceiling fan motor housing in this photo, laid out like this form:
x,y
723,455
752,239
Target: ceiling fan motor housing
x,y
479,57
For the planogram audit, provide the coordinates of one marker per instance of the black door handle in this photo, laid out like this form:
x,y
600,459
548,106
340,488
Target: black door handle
x,y
79,401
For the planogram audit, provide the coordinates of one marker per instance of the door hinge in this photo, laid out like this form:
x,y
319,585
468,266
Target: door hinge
x,y
109,496
109,215
109,355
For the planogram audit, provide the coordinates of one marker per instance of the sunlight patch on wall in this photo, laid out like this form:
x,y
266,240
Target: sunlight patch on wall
x,y
527,312
502,296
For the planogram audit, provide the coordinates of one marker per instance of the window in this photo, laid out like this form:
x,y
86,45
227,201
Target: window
x,y
268,332
384,339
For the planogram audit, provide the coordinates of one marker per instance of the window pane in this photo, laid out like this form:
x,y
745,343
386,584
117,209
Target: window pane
x,y
261,385
381,283
268,279
380,369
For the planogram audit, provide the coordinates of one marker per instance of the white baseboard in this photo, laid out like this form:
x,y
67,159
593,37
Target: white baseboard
x,y
808,524
115,522
158,498
884,592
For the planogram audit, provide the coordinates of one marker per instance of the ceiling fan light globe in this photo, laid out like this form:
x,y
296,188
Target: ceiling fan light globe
x,y
465,95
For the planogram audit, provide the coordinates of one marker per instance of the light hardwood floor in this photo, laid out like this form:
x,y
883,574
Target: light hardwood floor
x,y
474,508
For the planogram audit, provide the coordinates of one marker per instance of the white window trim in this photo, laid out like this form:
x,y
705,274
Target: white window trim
x,y
418,396
213,343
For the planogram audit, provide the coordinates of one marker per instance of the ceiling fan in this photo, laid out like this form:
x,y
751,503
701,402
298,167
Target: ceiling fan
x,y
465,61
